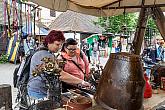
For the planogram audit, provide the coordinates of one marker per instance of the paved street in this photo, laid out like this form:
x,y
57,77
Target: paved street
x,y
6,77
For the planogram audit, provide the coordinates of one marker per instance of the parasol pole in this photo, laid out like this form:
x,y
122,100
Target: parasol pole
x,y
34,23
159,19
20,23
140,31
26,17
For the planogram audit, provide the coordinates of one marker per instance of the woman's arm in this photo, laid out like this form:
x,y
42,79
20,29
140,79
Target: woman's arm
x,y
68,78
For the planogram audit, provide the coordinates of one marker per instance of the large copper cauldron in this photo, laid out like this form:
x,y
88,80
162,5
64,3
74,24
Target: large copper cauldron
x,y
122,83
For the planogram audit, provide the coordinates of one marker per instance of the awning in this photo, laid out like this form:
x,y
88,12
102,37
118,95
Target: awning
x,y
99,7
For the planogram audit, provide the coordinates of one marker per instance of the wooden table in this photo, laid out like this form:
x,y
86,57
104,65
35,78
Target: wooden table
x,y
149,104
155,101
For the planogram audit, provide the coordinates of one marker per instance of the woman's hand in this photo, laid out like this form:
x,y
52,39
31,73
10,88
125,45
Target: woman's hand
x,y
84,84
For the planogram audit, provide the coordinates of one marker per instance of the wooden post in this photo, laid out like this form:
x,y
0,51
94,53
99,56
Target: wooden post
x,y
5,97
140,31
159,19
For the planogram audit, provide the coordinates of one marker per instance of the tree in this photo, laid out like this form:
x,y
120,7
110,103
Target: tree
x,y
151,24
114,24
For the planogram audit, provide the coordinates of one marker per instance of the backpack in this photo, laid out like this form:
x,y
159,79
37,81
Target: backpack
x,y
21,77
22,72
15,76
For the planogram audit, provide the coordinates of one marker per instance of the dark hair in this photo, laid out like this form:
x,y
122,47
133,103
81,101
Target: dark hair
x,y
69,41
54,35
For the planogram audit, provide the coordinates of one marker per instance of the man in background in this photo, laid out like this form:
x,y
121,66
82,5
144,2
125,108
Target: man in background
x,y
29,45
86,48
95,51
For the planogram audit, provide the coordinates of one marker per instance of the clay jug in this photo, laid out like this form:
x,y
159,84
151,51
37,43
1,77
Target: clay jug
x,y
122,83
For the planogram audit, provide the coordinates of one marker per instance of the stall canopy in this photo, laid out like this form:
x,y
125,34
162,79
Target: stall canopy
x,y
99,7
70,21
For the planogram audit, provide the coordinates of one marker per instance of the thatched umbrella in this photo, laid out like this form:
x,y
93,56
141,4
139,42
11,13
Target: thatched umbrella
x,y
70,21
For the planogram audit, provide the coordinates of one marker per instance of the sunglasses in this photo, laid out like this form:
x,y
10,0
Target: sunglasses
x,y
70,49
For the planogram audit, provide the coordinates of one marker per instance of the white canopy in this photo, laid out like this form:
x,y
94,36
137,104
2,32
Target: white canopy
x,y
99,7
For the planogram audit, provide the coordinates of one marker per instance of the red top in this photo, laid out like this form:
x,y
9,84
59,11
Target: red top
x,y
71,68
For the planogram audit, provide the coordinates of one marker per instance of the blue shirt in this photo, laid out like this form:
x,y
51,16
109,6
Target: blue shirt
x,y
38,84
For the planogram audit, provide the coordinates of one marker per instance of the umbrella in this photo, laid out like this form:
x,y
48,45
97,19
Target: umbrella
x,y
99,7
70,21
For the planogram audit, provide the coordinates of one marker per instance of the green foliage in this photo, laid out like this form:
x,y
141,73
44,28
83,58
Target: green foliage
x,y
3,58
113,24
151,24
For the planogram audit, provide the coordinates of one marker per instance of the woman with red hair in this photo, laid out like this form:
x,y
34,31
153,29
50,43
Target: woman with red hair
x,y
37,85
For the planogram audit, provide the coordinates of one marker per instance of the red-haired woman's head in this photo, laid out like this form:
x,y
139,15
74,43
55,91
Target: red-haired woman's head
x,y
54,36
54,40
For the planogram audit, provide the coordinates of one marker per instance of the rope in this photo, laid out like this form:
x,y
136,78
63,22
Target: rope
x,y
17,20
31,21
26,17
8,14
20,23
4,10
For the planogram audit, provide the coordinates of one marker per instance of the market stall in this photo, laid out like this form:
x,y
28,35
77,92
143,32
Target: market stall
x,y
122,83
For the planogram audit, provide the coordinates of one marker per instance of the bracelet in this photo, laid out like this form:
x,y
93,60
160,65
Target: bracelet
x,y
80,85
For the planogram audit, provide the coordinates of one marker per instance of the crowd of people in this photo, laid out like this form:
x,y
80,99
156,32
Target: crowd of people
x,y
95,50
156,52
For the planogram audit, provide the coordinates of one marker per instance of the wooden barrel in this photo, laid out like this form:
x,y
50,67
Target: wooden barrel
x,y
122,83
5,97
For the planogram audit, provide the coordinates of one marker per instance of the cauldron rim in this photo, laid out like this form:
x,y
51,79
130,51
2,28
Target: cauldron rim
x,y
124,56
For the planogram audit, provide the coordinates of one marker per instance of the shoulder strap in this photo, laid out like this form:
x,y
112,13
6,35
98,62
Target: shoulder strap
x,y
79,68
81,56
